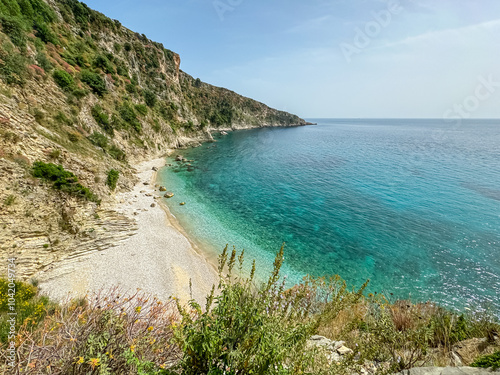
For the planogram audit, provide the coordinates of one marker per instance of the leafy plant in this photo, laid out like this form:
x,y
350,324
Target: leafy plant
x,y
95,82
99,140
62,179
488,361
244,329
112,178
63,79
102,118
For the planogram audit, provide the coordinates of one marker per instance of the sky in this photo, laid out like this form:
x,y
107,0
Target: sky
x,y
335,58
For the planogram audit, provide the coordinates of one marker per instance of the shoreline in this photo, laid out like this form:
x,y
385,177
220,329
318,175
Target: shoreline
x,y
159,258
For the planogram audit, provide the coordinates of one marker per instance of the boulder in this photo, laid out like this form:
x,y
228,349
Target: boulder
x,y
153,204
155,169
163,188
178,158
169,195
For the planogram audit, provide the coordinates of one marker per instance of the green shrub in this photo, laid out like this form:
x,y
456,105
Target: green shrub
x,y
244,329
99,140
127,113
112,178
149,98
141,109
30,308
95,81
13,65
103,63
14,28
43,61
62,179
102,118
130,87
63,79
43,31
487,361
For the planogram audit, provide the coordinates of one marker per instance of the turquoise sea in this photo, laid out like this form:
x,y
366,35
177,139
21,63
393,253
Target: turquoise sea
x,y
412,205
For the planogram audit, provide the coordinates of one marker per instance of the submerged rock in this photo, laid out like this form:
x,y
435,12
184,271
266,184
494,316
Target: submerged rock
x,y
182,203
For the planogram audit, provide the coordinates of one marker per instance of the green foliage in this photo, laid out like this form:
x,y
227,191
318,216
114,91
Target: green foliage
x,y
43,31
14,28
223,114
102,118
99,140
127,113
95,82
112,178
141,109
44,62
63,79
131,88
30,308
13,65
103,63
63,180
149,98
488,361
244,329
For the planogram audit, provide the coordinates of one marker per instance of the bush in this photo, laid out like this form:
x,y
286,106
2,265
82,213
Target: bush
x,y
487,361
30,308
62,179
112,178
141,109
102,118
63,79
103,63
99,140
105,333
130,87
149,98
13,66
14,28
246,330
95,81
43,61
127,113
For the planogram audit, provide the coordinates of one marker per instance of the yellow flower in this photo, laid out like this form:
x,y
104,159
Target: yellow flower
x,y
94,362
80,361
138,309
150,329
132,348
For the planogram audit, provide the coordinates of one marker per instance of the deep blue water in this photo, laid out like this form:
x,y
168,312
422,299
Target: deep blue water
x,y
412,205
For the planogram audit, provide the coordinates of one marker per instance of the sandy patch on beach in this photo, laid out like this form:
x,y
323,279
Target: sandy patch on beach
x,y
157,259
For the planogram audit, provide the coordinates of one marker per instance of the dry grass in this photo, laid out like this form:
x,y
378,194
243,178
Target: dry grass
x,y
108,332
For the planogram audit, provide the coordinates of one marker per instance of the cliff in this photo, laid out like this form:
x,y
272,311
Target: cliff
x,y
78,89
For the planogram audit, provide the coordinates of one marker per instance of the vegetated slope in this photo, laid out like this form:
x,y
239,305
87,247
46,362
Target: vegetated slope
x,y
78,89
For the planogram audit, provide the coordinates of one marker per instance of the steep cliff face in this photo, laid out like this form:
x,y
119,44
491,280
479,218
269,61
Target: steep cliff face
x,y
78,89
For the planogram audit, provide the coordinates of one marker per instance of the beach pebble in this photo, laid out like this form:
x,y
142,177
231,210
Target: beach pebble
x,y
182,203
153,204
169,195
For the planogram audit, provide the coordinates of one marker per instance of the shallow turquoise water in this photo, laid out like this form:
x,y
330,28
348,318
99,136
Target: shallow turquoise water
x,y
412,205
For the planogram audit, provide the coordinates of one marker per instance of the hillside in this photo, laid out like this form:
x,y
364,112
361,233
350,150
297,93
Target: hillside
x,y
78,89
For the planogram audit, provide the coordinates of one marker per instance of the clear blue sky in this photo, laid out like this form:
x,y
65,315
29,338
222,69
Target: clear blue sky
x,y
335,58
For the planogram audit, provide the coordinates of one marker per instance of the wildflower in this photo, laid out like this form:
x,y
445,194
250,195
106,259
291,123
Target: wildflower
x,y
138,309
150,328
80,361
94,362
132,348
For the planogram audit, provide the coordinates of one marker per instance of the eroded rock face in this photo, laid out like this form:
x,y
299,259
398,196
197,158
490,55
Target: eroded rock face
x,y
468,350
333,350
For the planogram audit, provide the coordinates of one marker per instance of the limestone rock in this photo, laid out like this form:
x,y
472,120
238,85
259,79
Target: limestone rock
x,y
169,195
